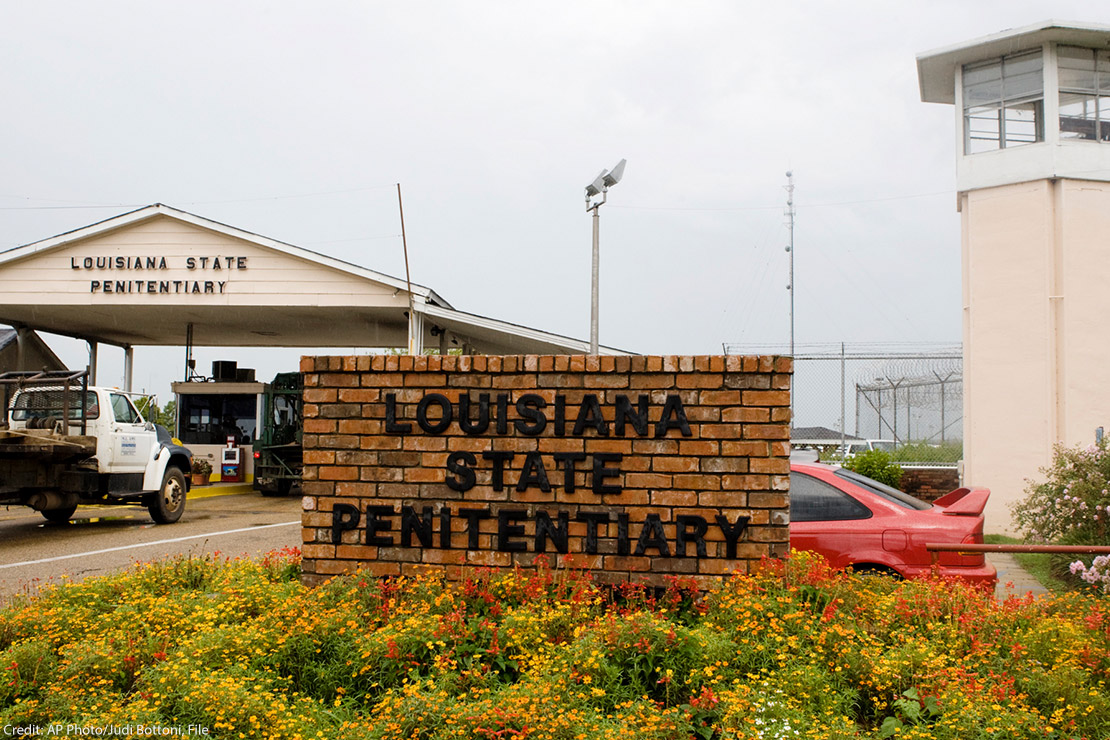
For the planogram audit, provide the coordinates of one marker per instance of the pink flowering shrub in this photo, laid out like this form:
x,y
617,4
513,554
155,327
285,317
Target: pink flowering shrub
x,y
1072,507
1097,573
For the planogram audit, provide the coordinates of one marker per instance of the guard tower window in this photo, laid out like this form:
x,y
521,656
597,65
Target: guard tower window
x,y
1004,102
1084,93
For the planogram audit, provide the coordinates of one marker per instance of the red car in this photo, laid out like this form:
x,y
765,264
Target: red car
x,y
858,522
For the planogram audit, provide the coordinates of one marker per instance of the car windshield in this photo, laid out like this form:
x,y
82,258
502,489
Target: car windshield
x,y
882,490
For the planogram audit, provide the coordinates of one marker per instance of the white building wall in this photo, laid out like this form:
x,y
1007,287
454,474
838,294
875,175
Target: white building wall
x,y
236,272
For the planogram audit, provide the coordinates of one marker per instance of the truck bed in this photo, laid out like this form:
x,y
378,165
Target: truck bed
x,y
44,445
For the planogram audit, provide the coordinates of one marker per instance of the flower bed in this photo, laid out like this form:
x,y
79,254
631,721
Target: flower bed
x,y
241,649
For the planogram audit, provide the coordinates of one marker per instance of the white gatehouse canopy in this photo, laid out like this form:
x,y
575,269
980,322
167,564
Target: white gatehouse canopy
x,y
158,275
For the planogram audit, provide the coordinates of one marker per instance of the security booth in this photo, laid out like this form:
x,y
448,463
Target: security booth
x,y
218,418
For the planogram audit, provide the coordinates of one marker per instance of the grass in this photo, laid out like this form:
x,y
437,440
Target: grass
x,y
795,650
1038,564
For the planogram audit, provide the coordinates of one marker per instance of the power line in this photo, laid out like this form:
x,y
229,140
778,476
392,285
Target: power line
x,y
184,203
69,208
357,239
287,197
776,208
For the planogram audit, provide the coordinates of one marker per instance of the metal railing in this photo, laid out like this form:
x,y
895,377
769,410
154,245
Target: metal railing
x,y
936,548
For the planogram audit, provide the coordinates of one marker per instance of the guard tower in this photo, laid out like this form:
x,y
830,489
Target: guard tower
x,y
1033,179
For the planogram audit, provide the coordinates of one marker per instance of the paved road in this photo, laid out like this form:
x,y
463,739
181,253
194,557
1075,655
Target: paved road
x,y
102,539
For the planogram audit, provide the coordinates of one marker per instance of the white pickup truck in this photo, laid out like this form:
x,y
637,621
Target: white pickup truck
x,y
67,444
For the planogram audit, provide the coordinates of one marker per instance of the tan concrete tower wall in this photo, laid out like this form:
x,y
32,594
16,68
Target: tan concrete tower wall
x,y
1036,262
1084,215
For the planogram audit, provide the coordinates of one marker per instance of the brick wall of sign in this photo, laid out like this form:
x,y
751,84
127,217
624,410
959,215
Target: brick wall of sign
x,y
636,467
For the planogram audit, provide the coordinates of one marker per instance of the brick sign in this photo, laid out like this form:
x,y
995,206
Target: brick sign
x,y
636,467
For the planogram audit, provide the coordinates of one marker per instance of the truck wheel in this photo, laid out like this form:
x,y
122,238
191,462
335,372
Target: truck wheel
x,y
281,487
167,505
59,516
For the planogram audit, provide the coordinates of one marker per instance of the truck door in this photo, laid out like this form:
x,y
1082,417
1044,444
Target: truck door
x,y
131,441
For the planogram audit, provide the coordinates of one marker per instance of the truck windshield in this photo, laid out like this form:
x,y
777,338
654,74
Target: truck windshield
x,y
123,411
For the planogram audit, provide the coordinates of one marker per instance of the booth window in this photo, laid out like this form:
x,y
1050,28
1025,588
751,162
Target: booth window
x,y
1003,102
1084,93
211,419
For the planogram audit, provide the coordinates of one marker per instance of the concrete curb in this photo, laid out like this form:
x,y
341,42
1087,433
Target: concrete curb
x,y
220,489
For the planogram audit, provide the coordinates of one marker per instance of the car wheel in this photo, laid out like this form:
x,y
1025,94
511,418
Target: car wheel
x,y
59,516
168,503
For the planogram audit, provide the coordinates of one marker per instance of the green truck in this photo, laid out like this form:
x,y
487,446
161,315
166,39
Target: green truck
x,y
277,450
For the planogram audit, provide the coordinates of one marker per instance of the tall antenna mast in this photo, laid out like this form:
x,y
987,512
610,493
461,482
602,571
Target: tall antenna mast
x,y
790,249
408,278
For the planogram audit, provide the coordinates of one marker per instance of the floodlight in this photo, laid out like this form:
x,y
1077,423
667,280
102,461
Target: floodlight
x,y
597,186
614,175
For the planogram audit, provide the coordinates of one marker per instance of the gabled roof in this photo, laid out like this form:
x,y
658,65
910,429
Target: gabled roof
x,y
8,337
294,297
160,209
819,435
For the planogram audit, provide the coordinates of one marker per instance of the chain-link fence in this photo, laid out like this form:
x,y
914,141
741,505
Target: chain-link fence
x,y
911,395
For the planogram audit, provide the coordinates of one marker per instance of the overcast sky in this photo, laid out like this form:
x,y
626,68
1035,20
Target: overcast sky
x,y
296,120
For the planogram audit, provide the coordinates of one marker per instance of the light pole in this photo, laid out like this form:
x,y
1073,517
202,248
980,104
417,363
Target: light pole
x,y
600,186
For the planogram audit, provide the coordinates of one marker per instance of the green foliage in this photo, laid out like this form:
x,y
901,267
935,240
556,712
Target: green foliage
x,y
167,416
910,453
921,452
147,407
910,709
877,465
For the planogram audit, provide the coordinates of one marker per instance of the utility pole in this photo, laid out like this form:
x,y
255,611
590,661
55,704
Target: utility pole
x,y
790,249
413,341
